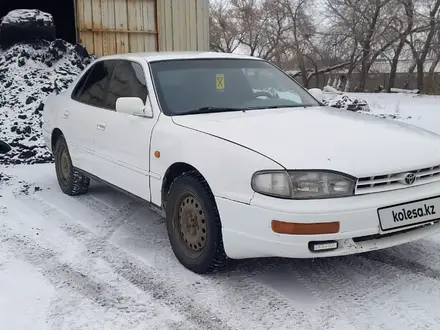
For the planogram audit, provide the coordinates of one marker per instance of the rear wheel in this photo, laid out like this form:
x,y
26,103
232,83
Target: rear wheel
x,y
71,181
193,224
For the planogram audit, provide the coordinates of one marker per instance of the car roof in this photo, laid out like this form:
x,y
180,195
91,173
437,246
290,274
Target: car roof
x,y
167,56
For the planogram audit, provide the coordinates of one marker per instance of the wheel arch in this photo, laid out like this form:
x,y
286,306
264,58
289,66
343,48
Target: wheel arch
x,y
56,133
174,171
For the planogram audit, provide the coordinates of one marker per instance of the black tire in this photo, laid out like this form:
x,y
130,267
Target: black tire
x,y
189,188
71,181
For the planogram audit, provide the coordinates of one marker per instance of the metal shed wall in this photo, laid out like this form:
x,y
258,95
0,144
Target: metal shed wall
x,y
120,26
183,24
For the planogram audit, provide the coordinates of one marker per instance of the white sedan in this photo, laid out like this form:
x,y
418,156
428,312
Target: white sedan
x,y
241,160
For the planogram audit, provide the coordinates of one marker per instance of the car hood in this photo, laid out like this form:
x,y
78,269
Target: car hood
x,y
324,138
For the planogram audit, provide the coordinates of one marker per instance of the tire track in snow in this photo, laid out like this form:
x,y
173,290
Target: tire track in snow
x,y
407,306
76,280
109,218
237,291
279,309
81,287
171,282
250,275
138,274
404,265
339,295
377,286
359,290
255,305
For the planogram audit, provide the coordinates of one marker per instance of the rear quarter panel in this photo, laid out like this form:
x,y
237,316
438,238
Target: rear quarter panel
x,y
52,114
49,120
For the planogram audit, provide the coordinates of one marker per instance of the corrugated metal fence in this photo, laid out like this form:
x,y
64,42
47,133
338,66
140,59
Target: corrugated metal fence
x,y
121,26
183,24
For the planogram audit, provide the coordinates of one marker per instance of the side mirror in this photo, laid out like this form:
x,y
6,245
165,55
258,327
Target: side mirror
x,y
133,106
317,94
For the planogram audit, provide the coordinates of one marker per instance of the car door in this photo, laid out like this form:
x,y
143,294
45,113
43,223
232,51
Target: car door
x,y
123,140
84,112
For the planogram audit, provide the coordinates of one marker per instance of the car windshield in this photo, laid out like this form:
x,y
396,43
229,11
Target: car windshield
x,y
217,85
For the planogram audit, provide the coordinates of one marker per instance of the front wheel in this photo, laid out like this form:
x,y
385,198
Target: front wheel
x,y
193,224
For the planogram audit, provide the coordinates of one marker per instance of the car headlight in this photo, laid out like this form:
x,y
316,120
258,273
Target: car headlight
x,y
303,184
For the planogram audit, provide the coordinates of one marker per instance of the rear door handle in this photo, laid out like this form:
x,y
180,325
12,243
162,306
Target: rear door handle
x,y
66,114
101,126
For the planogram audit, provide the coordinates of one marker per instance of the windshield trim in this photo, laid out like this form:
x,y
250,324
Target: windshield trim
x,y
156,93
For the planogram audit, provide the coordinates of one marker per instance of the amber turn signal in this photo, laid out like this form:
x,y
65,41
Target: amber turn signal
x,y
293,228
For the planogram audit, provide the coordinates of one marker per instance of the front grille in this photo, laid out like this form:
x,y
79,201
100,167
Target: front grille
x,y
387,182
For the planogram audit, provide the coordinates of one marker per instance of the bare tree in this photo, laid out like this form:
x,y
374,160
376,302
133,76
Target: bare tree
x,y
369,23
350,37
274,43
224,35
251,20
421,43
404,28
434,63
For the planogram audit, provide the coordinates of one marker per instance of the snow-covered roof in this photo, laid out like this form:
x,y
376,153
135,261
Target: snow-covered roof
x,y
383,67
292,72
402,66
24,15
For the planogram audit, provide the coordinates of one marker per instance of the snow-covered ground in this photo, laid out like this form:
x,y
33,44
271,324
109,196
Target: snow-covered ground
x,y
419,110
103,261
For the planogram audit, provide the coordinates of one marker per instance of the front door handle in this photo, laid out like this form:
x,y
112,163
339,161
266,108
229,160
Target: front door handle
x,y
101,126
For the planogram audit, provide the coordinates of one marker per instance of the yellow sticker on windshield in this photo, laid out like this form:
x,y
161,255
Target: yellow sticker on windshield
x,y
220,81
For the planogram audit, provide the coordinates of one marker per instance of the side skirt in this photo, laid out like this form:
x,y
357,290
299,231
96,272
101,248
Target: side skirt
x,y
156,208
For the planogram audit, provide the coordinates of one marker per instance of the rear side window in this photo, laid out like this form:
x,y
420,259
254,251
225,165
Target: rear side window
x,y
128,81
80,84
94,90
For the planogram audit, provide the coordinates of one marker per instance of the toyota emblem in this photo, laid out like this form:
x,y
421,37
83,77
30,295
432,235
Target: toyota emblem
x,y
410,178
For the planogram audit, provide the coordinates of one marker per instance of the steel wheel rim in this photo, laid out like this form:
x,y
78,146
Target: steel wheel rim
x,y
191,224
64,166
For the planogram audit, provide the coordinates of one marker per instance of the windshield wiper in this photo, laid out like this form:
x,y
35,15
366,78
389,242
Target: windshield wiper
x,y
212,110
230,109
284,106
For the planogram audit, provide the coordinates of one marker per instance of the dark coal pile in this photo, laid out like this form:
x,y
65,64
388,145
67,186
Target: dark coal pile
x,y
28,74
33,65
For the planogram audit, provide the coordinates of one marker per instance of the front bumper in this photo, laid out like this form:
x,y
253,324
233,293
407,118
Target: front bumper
x,y
247,231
